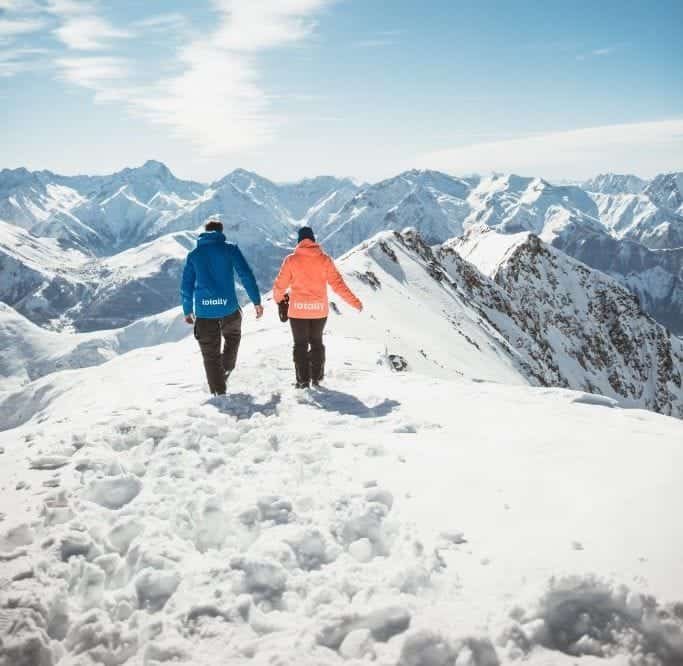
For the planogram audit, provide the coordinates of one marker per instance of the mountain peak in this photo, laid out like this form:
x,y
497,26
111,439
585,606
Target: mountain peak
x,y
155,167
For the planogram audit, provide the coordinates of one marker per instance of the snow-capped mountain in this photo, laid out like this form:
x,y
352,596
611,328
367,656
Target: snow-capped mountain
x,y
418,517
64,288
103,215
632,235
593,334
666,190
432,202
654,276
531,313
31,352
615,183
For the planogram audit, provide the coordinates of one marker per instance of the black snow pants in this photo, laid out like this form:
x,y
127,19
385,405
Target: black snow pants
x,y
210,334
309,350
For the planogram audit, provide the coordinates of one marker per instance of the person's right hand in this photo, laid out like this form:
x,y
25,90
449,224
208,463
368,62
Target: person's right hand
x,y
189,319
259,311
360,307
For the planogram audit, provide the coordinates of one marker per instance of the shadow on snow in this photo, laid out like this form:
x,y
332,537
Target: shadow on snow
x,y
243,405
349,405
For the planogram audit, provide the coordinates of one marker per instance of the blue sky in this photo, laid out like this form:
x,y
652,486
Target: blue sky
x,y
365,88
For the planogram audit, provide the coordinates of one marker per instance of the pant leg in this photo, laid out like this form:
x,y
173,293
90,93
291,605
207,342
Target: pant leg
x,y
208,334
300,333
231,328
317,354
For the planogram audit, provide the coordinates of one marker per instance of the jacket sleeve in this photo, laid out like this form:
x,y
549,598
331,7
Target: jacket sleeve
x,y
187,287
246,276
336,281
282,281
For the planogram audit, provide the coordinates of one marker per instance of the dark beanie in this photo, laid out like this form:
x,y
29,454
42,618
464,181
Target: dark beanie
x,y
306,232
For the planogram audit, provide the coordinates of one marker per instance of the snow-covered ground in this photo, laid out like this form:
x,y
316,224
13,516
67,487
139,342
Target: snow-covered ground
x,y
396,518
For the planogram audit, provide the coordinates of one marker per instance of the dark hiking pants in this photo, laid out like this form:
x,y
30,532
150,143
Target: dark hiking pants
x,y
211,334
309,350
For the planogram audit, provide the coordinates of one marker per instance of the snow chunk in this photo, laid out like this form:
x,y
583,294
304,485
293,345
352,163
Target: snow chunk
x,y
113,492
24,638
427,648
273,507
262,576
154,587
49,462
361,550
382,624
357,644
586,616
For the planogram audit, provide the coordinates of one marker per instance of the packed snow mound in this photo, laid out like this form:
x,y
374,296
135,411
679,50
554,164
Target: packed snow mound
x,y
384,519
31,352
592,330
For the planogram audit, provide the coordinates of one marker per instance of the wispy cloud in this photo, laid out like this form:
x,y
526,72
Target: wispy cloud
x,y
22,26
24,6
214,95
597,53
162,22
105,75
644,148
88,33
13,61
217,100
81,28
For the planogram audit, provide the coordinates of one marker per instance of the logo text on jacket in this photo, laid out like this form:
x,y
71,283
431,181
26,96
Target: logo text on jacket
x,y
309,306
214,301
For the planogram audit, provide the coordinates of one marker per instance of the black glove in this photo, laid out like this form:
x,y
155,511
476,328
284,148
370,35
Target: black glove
x,y
283,308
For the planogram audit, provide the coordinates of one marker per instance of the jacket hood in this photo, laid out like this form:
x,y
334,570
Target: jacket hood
x,y
210,237
308,247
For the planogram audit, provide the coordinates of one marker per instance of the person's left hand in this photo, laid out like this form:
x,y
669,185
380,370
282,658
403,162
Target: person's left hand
x,y
189,319
259,311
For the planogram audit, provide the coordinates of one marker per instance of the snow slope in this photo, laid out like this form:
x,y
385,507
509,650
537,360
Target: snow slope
x,y
30,352
395,518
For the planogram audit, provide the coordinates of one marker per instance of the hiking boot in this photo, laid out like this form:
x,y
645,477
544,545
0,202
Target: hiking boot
x,y
302,385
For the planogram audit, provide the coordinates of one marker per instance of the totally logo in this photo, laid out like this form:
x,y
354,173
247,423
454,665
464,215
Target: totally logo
x,y
309,306
214,301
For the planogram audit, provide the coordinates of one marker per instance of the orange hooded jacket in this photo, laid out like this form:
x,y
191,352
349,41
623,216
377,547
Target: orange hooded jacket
x,y
307,272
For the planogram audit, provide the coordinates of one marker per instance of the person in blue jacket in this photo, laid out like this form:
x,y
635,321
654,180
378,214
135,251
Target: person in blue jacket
x,y
210,302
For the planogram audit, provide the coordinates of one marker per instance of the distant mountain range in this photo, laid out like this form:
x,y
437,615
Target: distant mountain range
x,y
101,251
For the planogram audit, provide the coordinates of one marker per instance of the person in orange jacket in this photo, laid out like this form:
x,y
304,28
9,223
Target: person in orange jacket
x,y
306,273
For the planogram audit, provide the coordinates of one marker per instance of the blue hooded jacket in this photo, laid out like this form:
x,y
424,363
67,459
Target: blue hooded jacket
x,y
208,285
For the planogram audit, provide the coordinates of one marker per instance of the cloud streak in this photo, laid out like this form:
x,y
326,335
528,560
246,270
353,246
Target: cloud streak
x,y
88,33
217,101
81,29
645,148
14,28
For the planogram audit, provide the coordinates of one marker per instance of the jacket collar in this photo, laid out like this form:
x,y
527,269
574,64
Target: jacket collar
x,y
210,237
307,246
